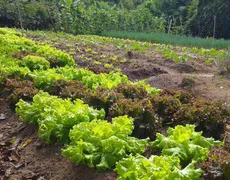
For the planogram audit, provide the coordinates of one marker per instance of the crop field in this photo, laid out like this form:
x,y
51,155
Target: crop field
x,y
89,107
181,40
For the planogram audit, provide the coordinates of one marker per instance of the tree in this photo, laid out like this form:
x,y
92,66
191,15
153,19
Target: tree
x,y
201,21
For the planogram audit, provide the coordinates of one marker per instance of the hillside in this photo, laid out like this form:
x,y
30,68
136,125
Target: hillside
x,y
66,81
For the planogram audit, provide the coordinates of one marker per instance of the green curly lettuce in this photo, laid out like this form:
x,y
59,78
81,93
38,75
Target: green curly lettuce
x,y
101,144
185,143
55,116
156,167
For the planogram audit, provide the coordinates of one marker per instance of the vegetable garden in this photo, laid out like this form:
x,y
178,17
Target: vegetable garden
x,y
87,102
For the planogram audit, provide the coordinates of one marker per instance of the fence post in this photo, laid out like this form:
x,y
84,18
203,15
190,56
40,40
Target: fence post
x,y
214,27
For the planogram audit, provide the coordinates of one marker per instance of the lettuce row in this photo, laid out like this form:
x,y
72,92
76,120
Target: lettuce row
x,y
101,144
55,116
15,71
12,41
44,79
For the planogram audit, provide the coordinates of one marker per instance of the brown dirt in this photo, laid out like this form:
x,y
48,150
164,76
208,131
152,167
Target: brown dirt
x,y
206,85
139,72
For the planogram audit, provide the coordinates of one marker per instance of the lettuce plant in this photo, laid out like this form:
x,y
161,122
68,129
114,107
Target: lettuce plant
x,y
55,116
35,62
185,143
156,167
101,144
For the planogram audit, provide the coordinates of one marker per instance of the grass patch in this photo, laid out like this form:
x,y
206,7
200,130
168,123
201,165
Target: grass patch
x,y
181,40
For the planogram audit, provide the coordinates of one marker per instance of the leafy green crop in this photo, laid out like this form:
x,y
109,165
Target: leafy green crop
x,y
55,116
183,147
35,62
101,144
156,167
61,58
43,79
185,143
12,41
10,31
14,71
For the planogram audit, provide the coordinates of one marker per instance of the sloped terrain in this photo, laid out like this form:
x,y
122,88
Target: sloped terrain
x,y
23,155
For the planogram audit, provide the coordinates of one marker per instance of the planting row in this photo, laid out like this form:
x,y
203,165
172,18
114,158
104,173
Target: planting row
x,y
84,45
21,57
151,112
176,53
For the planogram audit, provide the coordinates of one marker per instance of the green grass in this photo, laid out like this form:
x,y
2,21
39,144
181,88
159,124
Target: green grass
x,y
180,40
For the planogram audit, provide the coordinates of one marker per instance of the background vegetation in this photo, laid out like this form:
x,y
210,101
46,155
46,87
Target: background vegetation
x,y
191,17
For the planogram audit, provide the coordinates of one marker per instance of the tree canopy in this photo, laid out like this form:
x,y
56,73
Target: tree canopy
x,y
205,18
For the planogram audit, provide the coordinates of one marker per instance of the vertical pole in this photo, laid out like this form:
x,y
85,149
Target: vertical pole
x,y
19,14
214,27
170,24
